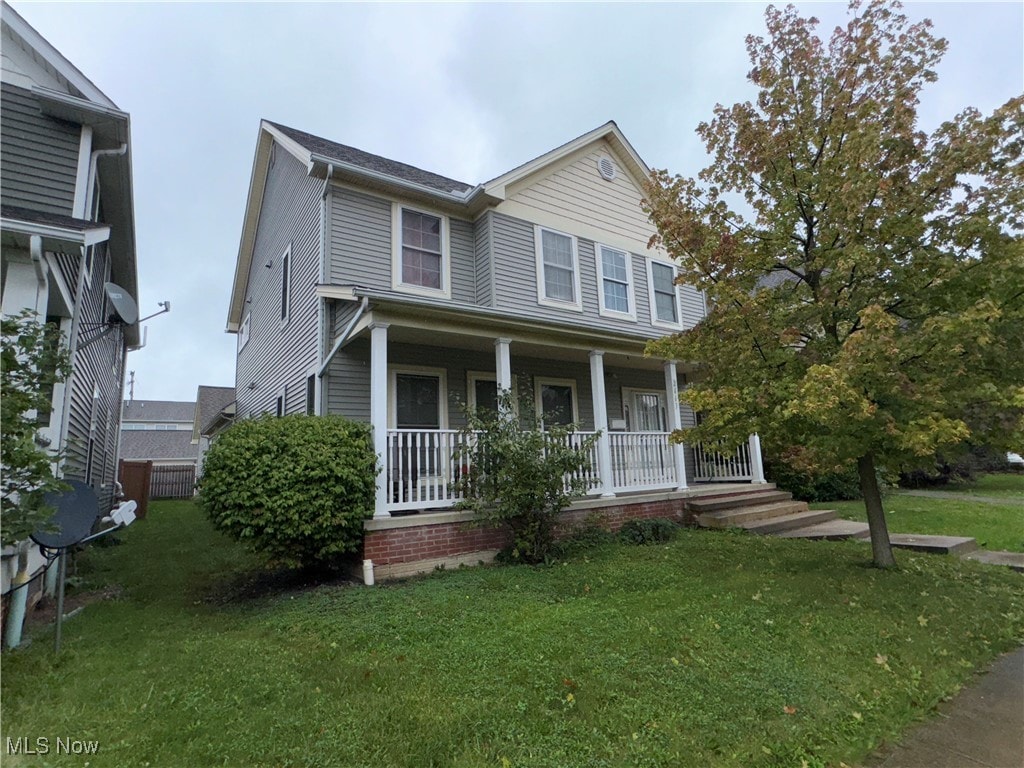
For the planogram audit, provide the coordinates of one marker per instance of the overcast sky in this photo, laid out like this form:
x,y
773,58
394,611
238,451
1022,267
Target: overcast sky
x,y
465,90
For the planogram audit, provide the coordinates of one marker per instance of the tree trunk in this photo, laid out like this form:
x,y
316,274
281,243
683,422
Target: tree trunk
x,y
881,549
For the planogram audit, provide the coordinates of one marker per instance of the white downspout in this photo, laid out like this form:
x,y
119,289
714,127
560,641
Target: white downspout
x,y
321,307
19,584
344,336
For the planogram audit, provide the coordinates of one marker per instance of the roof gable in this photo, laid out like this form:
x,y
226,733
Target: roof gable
x,y
571,194
47,61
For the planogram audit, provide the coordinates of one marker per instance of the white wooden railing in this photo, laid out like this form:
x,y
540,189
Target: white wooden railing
x,y
420,467
641,460
709,464
590,472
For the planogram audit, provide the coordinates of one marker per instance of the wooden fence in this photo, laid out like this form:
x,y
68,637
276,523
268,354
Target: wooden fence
x,y
173,482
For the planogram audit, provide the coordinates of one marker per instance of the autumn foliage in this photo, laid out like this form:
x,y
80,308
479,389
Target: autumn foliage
x,y
865,278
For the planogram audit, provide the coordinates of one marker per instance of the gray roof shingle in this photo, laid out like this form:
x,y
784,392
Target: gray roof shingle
x,y
158,410
142,444
346,154
43,217
210,401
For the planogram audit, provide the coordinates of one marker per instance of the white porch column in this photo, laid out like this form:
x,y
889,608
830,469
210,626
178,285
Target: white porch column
x,y
379,411
502,365
756,461
675,421
604,450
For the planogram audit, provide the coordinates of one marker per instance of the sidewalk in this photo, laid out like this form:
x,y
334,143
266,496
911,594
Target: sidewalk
x,y
982,726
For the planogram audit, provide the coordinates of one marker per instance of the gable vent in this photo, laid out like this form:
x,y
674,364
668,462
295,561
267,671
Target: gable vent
x,y
606,168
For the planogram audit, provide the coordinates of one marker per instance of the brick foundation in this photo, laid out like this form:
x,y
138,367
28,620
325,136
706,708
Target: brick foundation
x,y
403,546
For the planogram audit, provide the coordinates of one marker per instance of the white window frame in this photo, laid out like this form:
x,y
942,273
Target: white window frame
x,y
286,285
629,405
630,292
417,370
542,297
655,320
396,253
243,331
538,402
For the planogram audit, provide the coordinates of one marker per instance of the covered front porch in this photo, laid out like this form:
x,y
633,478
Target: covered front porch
x,y
419,378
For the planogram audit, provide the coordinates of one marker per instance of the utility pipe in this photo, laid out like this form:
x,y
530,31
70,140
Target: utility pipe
x,y
344,336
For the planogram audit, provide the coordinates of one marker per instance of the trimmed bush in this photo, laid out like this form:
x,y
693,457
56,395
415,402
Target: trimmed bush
x,y
295,489
827,486
655,530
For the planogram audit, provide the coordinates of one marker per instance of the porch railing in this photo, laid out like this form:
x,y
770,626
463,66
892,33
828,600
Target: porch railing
x,y
710,464
641,460
420,468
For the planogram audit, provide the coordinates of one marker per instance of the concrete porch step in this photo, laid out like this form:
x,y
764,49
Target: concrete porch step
x,y
748,499
830,530
940,545
790,522
738,516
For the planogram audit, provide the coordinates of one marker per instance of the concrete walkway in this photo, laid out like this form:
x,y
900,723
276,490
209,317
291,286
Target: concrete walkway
x,y
982,726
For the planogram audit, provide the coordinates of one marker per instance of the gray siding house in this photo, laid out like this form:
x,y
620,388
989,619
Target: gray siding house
x,y
391,295
67,227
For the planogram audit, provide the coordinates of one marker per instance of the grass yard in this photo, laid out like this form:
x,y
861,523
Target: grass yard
x,y
996,524
720,649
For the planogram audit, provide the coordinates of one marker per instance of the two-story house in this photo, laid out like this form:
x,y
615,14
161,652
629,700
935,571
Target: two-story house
x,y
391,295
67,228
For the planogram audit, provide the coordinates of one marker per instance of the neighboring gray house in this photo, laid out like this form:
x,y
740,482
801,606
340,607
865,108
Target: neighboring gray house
x,y
370,288
158,415
215,411
67,226
159,431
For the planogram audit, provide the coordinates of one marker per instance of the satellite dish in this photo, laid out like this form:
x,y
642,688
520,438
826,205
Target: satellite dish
x,y
76,511
124,305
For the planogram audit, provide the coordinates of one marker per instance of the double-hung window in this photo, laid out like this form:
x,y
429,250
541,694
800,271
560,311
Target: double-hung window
x,y
615,269
558,275
421,253
664,294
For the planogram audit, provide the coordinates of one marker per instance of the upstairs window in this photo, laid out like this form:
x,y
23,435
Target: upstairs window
x,y
243,333
558,277
285,284
420,263
664,295
615,269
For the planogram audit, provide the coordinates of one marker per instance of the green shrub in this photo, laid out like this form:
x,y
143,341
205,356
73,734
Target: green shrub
x,y
962,468
295,488
827,486
655,530
520,474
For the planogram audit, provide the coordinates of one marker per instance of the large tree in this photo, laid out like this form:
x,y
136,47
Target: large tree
x,y
865,279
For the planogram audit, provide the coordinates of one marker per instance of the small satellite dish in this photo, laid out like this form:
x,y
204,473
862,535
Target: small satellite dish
x,y
76,511
125,309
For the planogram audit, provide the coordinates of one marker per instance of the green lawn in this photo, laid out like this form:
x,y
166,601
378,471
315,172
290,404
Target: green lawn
x,y
720,649
996,526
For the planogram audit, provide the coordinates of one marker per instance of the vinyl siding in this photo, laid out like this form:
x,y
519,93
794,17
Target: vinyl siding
x,y
97,369
360,240
38,154
482,256
514,264
361,249
463,261
277,358
578,194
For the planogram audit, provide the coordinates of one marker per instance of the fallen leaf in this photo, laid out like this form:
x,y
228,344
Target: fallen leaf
x,y
922,620
789,710
857,716
880,659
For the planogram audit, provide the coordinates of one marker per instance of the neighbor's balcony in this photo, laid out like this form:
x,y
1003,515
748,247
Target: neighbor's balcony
x,y
423,464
